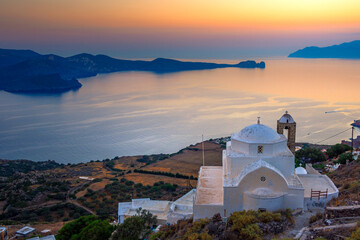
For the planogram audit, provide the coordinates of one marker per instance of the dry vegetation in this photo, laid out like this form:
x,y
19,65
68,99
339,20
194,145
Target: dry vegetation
x,y
150,179
115,180
189,160
347,179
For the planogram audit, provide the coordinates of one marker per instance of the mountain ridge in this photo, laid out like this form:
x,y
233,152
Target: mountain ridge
x,y
28,71
346,50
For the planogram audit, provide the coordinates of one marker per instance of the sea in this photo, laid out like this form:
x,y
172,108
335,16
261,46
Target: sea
x,y
136,113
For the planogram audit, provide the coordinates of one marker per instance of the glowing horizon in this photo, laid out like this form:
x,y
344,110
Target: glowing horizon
x,y
150,28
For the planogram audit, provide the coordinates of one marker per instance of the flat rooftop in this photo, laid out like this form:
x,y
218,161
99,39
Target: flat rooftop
x,y
50,237
123,207
159,208
316,183
210,186
25,230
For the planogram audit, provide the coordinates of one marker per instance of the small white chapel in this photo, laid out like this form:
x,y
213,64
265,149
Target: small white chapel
x,y
258,172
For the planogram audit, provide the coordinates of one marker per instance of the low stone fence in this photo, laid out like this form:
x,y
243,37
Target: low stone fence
x,y
342,211
311,170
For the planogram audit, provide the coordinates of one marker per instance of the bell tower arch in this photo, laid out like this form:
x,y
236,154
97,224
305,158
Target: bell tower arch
x,y
288,123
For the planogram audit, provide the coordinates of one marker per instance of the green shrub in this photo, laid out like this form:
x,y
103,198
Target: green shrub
x,y
345,157
83,228
244,222
135,227
196,228
337,149
312,155
356,234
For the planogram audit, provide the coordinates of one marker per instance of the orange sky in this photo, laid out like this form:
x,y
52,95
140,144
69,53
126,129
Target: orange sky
x,y
175,24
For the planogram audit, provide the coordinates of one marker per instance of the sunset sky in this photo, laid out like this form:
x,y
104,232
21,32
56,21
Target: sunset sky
x,y
178,29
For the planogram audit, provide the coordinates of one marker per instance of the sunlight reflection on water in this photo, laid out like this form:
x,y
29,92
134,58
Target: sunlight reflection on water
x,y
133,113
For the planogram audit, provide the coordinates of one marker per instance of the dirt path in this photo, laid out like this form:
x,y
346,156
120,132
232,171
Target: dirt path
x,y
71,191
81,206
301,221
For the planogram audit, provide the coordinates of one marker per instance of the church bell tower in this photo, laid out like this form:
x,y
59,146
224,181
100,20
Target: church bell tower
x,y
288,123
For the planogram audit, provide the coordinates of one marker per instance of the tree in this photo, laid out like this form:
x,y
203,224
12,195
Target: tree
x,y
85,228
344,157
130,229
311,155
98,229
135,227
337,149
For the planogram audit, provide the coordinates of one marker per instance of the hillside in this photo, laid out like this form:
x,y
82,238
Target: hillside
x,y
350,50
28,71
47,192
10,167
347,179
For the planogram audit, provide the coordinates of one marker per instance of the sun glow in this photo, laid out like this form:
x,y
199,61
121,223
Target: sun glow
x,y
148,22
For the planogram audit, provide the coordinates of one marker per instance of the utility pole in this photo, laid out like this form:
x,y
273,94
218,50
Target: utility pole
x,y
203,153
352,140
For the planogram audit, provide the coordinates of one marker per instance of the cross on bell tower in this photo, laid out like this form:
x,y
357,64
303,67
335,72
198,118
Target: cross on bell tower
x,y
288,123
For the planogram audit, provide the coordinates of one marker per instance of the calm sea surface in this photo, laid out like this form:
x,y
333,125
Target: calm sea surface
x,y
132,113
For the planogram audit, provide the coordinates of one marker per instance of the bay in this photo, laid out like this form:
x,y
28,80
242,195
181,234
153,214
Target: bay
x,y
133,113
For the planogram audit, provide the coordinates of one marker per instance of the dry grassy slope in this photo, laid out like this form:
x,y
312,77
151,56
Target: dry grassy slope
x,y
186,162
346,173
150,179
128,162
347,179
190,160
90,169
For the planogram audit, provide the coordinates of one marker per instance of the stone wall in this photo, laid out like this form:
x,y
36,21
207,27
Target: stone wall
x,y
342,211
311,170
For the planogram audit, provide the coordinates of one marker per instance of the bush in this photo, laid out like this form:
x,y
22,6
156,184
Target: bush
x,y
337,149
244,222
195,229
345,157
87,227
135,227
356,234
129,183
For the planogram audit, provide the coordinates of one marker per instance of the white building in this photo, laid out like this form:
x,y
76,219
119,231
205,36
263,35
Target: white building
x,y
258,172
165,211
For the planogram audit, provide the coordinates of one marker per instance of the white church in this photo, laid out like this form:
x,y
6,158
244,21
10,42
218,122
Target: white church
x,y
258,172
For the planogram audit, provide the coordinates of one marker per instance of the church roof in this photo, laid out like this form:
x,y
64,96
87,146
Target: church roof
x,y
300,170
286,118
257,133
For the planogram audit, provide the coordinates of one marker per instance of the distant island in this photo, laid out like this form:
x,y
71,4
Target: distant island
x,y
28,71
350,50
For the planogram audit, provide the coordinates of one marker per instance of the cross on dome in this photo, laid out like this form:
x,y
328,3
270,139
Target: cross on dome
x,y
258,122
